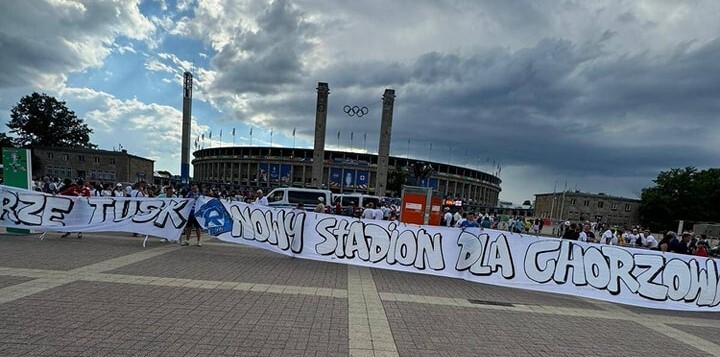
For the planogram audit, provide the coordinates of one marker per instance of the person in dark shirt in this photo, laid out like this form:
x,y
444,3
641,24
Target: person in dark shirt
x,y
681,246
571,232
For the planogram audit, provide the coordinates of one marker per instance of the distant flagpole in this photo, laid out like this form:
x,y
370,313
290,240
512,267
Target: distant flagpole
x,y
271,134
250,136
221,142
430,152
294,137
407,154
365,142
233,135
352,133
338,141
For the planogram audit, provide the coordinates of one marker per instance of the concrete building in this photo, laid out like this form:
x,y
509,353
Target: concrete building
x,y
342,172
581,206
91,164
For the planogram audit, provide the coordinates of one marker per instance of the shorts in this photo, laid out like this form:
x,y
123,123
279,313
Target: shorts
x,y
192,222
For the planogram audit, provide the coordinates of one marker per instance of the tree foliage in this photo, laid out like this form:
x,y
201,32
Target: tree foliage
x,y
396,180
681,194
42,120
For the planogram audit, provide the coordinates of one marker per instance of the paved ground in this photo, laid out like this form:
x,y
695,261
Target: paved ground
x,y
105,295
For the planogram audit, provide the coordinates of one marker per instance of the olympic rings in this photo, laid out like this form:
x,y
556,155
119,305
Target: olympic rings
x,y
355,111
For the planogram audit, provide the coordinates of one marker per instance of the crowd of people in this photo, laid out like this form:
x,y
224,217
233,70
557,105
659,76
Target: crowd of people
x,y
636,236
590,232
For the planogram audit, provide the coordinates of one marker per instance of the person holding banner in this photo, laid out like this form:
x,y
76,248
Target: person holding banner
x,y
75,189
192,221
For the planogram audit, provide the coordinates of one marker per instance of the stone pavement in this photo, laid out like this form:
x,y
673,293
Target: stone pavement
x,y
105,295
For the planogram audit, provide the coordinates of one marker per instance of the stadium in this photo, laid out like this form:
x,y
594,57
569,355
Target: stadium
x,y
269,167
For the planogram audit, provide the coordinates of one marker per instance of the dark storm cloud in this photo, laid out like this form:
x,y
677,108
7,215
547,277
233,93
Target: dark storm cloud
x,y
569,108
264,60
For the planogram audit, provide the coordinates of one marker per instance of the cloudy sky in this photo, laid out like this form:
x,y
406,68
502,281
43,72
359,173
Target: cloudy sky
x,y
595,95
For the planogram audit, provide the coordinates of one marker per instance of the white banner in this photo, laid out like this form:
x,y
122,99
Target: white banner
x,y
159,217
625,275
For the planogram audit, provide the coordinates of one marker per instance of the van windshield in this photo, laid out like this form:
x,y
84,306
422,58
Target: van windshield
x,y
307,198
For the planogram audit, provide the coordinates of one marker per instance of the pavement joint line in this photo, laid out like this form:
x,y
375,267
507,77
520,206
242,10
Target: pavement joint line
x,y
549,310
368,326
57,278
661,326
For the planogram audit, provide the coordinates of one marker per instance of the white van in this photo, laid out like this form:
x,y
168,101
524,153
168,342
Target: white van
x,y
289,197
347,199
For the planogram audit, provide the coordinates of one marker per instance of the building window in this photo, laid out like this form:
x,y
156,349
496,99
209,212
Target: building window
x,y
628,207
96,159
573,201
112,161
601,204
613,206
50,155
586,203
65,157
81,158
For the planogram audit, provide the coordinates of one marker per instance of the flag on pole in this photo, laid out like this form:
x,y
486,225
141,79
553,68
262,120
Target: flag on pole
x,y
203,136
233,132
250,131
338,134
365,136
351,135
220,133
293,132
210,136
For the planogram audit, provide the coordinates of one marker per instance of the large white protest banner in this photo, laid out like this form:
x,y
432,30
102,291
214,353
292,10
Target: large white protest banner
x,y
160,217
616,274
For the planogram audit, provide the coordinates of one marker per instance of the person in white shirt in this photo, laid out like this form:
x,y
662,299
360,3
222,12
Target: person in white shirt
x,y
369,211
379,212
458,216
648,240
260,198
608,236
631,238
447,217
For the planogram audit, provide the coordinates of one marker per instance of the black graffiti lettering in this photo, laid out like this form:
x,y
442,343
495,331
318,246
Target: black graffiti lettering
x,y
674,276
172,212
34,209
262,228
280,228
539,251
30,213
597,271
148,210
9,202
703,283
482,256
356,242
124,210
653,265
621,264
426,245
375,243
328,245
56,207
406,248
101,208
380,243
569,251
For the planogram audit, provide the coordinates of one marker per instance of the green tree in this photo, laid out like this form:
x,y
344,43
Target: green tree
x,y
5,142
42,120
396,180
681,194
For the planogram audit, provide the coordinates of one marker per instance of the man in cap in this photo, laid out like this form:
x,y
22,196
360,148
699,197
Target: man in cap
x,y
260,199
320,207
447,217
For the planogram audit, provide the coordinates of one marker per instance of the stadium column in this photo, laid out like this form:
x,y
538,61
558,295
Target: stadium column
x,y
186,120
384,147
320,126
